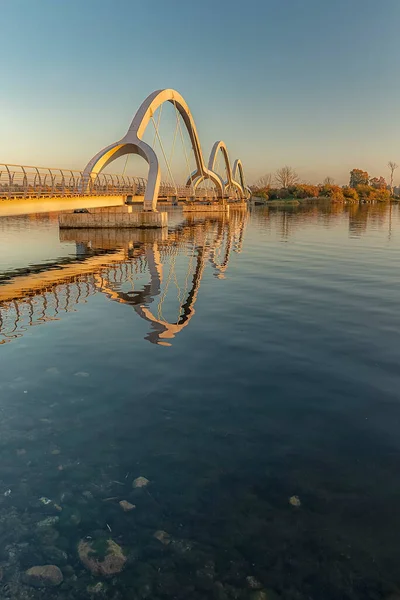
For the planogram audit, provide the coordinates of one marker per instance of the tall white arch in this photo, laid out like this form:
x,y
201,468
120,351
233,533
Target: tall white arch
x,y
132,143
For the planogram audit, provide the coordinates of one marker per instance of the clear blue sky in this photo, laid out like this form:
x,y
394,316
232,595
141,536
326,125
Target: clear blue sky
x,y
309,83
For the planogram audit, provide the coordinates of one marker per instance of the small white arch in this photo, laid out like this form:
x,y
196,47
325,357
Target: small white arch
x,y
238,170
230,181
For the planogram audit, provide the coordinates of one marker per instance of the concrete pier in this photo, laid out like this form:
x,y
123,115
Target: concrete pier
x,y
118,217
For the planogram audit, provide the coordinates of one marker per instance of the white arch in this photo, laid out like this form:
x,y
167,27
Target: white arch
x,y
132,143
212,160
232,179
238,169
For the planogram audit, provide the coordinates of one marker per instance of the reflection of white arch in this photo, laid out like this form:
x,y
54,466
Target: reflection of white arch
x,y
132,143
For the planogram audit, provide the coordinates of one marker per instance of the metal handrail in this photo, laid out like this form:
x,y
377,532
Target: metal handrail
x,y
17,181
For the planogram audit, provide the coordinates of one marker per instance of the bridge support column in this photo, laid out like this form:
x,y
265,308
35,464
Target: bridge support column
x,y
113,217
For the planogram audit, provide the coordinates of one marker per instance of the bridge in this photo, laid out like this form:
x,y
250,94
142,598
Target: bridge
x,y
204,182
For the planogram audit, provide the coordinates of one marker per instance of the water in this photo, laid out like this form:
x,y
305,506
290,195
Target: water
x,y
234,363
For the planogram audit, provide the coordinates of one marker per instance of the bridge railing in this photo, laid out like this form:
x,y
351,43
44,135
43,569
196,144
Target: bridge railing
x,y
18,181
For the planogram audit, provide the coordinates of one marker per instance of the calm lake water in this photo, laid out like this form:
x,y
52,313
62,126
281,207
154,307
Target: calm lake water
x,y
247,367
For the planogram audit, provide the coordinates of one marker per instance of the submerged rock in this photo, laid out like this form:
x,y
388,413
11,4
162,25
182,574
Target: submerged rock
x,y
43,576
45,501
253,583
140,482
102,557
96,589
163,537
48,522
295,501
126,506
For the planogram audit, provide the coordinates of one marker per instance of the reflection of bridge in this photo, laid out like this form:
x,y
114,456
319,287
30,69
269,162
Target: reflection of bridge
x,y
138,273
22,182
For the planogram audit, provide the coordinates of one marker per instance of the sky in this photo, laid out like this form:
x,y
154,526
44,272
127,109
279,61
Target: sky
x,y
307,83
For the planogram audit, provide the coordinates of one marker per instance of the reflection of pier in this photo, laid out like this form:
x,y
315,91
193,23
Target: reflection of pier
x,y
141,269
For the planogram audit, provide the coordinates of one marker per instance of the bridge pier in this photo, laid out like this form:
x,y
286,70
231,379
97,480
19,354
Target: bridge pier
x,y
120,217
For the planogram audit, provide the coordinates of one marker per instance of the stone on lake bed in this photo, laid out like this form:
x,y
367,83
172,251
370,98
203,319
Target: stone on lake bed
x,y
48,522
253,583
140,482
96,588
295,501
43,576
45,500
102,557
126,506
163,537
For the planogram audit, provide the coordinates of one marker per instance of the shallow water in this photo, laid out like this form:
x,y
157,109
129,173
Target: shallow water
x,y
233,362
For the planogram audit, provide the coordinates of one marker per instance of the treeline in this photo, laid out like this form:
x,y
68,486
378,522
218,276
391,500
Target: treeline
x,y
361,188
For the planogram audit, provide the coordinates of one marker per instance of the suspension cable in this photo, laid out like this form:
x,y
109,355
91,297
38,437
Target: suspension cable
x,y
183,141
158,123
163,151
126,162
173,144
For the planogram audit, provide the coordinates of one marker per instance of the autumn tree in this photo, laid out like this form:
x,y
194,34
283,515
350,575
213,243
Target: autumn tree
x,y
379,183
350,194
328,181
303,190
358,177
334,192
392,167
286,176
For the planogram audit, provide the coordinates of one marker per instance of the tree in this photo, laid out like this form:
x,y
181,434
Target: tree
x,y
303,190
392,166
379,183
286,176
368,193
328,181
358,177
350,194
264,181
334,192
